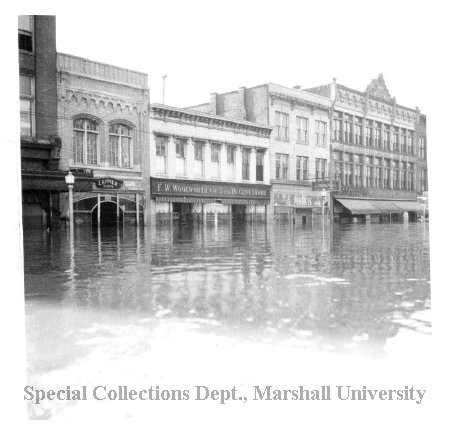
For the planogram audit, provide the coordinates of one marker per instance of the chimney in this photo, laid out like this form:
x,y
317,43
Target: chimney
x,y
241,102
213,103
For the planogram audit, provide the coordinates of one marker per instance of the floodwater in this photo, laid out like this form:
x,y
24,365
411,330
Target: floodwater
x,y
127,305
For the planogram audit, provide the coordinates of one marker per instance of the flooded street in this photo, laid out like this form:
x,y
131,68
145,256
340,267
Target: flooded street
x,y
184,304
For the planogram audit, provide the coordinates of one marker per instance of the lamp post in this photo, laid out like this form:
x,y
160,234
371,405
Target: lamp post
x,y
70,180
323,193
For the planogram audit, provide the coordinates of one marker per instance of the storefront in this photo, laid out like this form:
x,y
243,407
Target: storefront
x,y
294,203
362,205
110,202
202,201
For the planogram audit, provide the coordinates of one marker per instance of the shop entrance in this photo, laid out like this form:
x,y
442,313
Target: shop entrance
x,y
182,212
108,214
238,212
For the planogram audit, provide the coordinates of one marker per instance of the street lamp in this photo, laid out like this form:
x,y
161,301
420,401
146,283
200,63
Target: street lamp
x,y
70,180
323,193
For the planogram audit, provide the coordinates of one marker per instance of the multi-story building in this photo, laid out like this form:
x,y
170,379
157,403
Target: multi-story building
x,y
378,153
42,180
207,167
103,125
299,143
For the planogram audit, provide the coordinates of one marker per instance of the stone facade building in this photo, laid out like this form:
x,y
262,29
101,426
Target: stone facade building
x,y
103,125
299,142
205,167
378,153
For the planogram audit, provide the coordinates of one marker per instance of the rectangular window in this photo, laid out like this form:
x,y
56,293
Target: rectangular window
x,y
358,134
180,149
348,132
231,150
321,133
348,175
378,138
245,164
26,32
377,177
387,178
259,165
395,179
281,125
403,143
386,140
302,168
321,168
369,138
422,152
369,176
26,105
281,166
358,175
161,144
395,142
302,130
337,129
199,169
215,161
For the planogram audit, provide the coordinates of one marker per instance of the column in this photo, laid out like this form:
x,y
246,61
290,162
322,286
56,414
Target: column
x,y
137,209
238,164
118,208
98,209
267,169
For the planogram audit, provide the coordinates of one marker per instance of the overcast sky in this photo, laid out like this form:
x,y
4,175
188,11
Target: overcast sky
x,y
207,47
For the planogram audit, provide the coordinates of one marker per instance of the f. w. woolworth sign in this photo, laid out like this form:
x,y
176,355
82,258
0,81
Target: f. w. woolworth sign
x,y
220,190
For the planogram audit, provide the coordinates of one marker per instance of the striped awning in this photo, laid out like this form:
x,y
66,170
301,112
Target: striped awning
x,y
184,199
406,205
244,202
386,207
358,206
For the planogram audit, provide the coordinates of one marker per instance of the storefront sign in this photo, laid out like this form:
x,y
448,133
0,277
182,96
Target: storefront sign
x,y
108,183
377,193
297,200
325,185
217,190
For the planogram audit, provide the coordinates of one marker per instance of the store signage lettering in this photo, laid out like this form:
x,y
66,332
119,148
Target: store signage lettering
x,y
297,200
377,193
108,183
209,190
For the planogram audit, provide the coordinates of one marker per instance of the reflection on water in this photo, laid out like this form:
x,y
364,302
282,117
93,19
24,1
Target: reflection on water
x,y
352,289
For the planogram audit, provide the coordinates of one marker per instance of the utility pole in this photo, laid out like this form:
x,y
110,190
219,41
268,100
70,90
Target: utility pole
x,y
164,88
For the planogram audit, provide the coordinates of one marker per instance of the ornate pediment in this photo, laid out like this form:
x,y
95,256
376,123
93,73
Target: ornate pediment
x,y
377,88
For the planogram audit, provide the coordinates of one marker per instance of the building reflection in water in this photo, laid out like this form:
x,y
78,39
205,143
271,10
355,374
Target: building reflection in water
x,y
356,286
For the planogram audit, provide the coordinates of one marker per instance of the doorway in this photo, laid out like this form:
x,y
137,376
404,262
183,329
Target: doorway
x,y
238,212
108,214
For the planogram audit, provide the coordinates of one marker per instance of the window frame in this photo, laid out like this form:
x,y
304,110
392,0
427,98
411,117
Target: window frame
x,y
85,146
120,136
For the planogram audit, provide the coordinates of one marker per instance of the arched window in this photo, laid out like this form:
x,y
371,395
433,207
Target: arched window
x,y
120,144
85,141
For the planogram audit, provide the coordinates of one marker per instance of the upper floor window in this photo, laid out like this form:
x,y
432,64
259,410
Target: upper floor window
x,y
348,132
259,165
422,151
120,145
302,129
358,134
85,141
321,168
386,140
161,144
369,137
302,168
215,160
231,151
199,148
26,32
281,166
282,125
337,128
26,105
180,150
321,133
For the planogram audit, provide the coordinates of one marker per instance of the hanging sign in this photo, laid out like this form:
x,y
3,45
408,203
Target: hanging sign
x,y
108,183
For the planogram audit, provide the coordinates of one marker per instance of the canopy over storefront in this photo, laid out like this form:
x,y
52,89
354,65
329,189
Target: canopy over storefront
x,y
365,206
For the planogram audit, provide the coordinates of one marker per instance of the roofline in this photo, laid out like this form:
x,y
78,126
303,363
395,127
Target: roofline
x,y
212,116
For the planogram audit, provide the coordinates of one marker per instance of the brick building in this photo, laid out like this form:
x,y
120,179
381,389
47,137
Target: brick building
x,y
299,143
42,180
205,167
103,125
378,153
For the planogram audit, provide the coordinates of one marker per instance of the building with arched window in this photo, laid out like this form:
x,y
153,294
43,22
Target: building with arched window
x,y
103,125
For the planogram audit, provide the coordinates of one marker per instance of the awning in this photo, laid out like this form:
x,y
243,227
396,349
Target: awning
x,y
409,205
184,199
386,207
359,206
